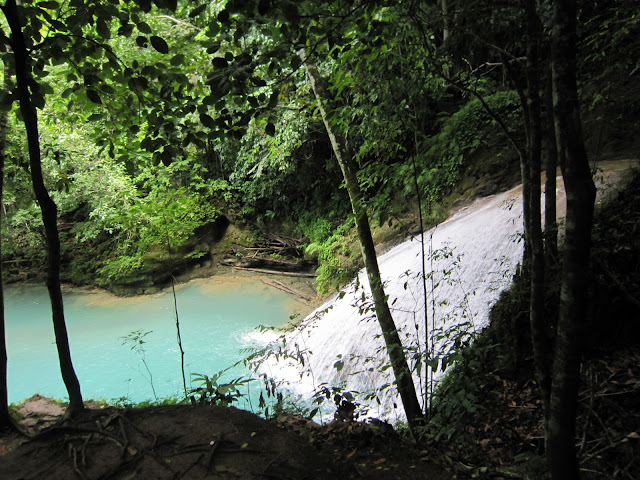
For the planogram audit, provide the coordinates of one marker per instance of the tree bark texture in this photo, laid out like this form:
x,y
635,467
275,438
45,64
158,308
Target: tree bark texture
x,y
539,335
400,367
550,184
5,418
580,192
25,83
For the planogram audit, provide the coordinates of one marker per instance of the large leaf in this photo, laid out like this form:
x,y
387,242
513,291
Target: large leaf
x,y
219,62
270,129
197,11
177,60
144,27
48,5
159,44
207,120
94,96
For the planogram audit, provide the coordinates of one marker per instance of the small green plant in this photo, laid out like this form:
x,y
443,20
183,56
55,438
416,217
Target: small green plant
x,y
346,407
135,341
212,392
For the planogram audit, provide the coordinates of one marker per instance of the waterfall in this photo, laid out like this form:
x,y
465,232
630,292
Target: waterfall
x,y
470,259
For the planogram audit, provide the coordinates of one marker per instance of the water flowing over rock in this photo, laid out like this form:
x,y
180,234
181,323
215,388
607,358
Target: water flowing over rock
x,y
469,260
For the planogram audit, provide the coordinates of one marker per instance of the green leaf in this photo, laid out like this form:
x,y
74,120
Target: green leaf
x,y
223,16
290,12
103,29
159,44
141,41
197,11
170,4
258,82
177,60
49,5
6,101
207,120
125,30
93,96
273,100
145,5
219,62
144,27
270,129
263,7
213,48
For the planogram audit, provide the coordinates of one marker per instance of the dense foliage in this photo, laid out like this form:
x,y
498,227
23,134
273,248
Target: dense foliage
x,y
159,120
162,150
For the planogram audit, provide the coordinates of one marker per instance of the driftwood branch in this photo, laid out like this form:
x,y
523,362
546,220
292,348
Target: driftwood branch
x,y
287,289
275,272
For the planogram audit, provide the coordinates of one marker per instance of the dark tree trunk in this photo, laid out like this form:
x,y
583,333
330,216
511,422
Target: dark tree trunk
x,y
5,418
406,387
539,334
26,84
550,184
580,190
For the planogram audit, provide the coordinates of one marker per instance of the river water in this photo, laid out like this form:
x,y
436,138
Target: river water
x,y
216,317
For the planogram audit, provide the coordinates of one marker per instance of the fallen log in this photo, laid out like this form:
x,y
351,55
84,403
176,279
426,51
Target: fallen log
x,y
277,272
286,289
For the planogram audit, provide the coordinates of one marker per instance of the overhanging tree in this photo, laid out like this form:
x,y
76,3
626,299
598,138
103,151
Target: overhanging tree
x,y
401,370
26,89
75,33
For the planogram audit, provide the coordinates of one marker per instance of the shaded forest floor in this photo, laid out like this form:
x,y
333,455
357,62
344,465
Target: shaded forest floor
x,y
503,437
189,442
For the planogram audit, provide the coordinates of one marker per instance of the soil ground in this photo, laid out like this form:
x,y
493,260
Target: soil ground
x,y
189,442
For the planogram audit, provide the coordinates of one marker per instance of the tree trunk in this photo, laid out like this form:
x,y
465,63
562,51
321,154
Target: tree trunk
x,y
5,418
25,83
445,21
399,365
551,165
580,190
539,334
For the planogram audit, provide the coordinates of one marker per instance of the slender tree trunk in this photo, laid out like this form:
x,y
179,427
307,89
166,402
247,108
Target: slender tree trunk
x,y
25,84
445,20
551,165
406,387
5,418
539,335
580,190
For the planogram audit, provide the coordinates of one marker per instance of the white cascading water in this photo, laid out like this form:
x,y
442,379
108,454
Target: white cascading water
x,y
469,259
